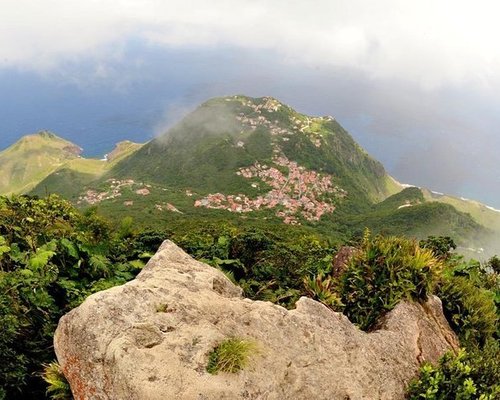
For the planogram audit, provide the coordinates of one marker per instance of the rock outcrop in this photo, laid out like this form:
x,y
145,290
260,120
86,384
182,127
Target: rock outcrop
x,y
150,339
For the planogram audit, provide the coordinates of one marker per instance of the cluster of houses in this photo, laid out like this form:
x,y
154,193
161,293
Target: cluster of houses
x,y
115,190
254,119
299,192
270,104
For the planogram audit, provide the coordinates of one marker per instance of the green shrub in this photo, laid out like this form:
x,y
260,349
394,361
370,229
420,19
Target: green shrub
x,y
323,290
232,355
470,310
385,271
51,258
461,376
57,386
441,246
485,363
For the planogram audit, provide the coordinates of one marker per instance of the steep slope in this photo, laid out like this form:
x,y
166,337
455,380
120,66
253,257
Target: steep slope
x,y
206,148
264,153
33,158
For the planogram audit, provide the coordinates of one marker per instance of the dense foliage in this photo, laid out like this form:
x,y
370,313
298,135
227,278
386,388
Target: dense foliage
x,y
381,273
461,376
51,258
267,265
470,292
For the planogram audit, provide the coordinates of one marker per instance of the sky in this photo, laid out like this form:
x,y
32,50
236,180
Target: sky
x,y
417,83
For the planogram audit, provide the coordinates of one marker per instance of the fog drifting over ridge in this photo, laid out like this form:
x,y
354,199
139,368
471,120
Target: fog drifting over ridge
x,y
416,83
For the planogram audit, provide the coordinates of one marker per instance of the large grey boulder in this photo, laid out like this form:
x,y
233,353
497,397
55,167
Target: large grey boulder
x,y
150,339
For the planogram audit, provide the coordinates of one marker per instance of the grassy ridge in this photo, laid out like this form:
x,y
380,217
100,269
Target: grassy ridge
x,y
481,213
31,159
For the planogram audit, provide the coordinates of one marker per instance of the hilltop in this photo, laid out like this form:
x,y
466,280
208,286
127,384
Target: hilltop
x,y
74,174
32,158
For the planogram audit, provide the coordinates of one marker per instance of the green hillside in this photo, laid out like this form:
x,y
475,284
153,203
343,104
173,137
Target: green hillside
x,y
483,214
243,159
75,174
44,163
259,162
31,159
206,149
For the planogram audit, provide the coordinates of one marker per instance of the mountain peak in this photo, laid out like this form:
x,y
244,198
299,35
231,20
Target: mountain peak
x,y
44,140
47,135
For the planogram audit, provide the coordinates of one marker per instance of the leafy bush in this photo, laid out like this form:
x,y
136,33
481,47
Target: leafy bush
x,y
469,292
232,355
385,271
460,376
470,310
51,258
441,246
323,290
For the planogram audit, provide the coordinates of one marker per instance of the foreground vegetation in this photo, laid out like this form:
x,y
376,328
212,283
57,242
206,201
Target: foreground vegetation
x,y
52,257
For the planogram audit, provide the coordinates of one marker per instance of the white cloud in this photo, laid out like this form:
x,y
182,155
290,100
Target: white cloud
x,y
431,43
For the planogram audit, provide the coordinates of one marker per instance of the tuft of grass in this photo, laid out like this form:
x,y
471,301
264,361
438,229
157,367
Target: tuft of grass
x,y
232,355
58,387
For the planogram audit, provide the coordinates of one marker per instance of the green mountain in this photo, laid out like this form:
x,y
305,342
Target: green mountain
x,y
258,161
225,134
239,158
31,159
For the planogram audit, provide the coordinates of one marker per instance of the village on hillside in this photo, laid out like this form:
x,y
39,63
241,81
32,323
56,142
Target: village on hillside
x,y
301,192
294,191
255,119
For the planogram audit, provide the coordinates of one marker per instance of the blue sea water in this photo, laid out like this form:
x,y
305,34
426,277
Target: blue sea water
x,y
94,119
96,105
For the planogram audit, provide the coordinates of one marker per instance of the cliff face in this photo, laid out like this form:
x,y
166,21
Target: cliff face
x,y
150,339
